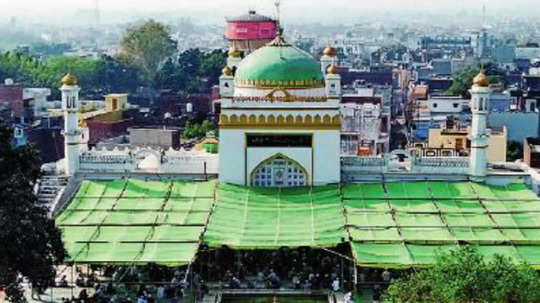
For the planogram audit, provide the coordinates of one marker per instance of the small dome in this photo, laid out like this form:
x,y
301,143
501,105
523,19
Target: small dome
x,y
481,80
69,80
235,53
227,71
330,51
332,69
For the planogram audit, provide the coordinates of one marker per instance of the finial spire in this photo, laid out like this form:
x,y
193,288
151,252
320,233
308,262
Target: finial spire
x,y
279,40
279,31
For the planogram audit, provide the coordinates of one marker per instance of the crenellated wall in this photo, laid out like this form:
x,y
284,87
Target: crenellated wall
x,y
149,160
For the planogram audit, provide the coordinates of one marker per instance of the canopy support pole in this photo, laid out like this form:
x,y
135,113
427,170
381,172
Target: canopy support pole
x,y
72,280
342,275
355,278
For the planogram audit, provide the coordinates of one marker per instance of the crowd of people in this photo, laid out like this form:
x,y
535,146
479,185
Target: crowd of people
x,y
300,269
303,268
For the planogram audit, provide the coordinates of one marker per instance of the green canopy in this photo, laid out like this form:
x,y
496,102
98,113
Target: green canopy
x,y
409,223
262,218
387,224
136,222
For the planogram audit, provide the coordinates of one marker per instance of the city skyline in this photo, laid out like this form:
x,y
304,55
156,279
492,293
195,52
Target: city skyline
x,y
339,11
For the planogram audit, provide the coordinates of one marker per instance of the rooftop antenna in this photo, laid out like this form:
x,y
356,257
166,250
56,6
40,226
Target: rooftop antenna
x,y
252,7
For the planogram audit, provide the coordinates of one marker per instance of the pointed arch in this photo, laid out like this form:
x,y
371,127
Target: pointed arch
x,y
289,119
223,119
279,171
243,119
252,119
317,119
326,119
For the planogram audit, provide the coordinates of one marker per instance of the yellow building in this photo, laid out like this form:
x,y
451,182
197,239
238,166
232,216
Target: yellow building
x,y
457,139
115,102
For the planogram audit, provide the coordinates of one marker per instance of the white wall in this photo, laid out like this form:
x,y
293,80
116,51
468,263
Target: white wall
x,y
326,155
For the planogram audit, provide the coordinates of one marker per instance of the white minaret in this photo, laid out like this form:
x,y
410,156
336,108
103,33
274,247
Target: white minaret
x,y
226,83
328,58
479,136
70,105
333,83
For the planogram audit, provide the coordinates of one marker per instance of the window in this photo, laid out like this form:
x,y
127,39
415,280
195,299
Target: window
x,y
434,105
279,171
455,105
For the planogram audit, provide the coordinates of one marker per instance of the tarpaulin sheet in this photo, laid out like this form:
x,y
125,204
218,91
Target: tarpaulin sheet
x,y
390,224
400,255
410,222
135,222
269,218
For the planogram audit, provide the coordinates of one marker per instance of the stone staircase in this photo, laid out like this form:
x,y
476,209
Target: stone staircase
x,y
49,187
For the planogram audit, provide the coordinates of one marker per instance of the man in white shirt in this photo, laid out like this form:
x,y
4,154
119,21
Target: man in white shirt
x,y
335,285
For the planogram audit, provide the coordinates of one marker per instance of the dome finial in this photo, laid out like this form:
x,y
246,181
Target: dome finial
x,y
227,71
279,31
481,80
330,51
234,52
332,69
69,80
279,40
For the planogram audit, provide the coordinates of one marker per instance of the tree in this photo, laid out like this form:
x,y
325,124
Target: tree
x,y
96,76
514,151
148,46
31,243
462,80
197,130
194,72
464,275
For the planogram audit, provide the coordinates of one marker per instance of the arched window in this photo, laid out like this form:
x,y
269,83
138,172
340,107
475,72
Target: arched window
x,y
279,171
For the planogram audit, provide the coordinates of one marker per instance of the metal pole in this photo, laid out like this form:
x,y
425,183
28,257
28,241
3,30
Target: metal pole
x,y
342,280
72,280
355,279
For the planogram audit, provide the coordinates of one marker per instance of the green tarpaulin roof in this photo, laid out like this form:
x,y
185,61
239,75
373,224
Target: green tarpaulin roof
x,y
258,218
408,223
133,221
388,224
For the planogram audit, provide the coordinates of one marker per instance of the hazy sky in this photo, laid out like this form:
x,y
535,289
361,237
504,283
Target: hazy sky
x,y
291,8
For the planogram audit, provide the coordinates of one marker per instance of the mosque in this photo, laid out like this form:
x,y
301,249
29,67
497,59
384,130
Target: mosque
x,y
279,126
279,180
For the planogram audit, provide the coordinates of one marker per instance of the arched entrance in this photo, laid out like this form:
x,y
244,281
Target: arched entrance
x,y
279,171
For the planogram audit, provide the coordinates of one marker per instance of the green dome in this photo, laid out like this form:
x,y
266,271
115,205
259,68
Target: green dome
x,y
279,66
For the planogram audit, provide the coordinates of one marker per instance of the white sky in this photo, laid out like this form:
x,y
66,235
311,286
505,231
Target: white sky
x,y
291,8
